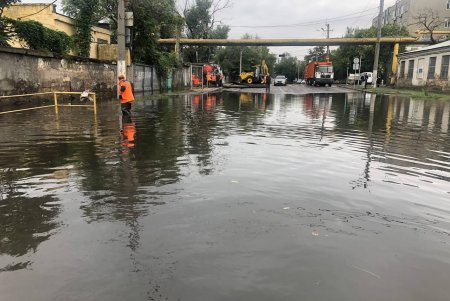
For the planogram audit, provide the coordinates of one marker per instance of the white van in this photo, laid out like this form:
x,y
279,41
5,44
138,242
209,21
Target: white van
x,y
369,77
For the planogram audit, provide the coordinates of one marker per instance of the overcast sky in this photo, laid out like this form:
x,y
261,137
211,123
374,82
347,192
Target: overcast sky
x,y
292,18
297,18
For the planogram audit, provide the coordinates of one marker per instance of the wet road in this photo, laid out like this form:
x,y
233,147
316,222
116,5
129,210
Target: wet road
x,y
300,89
228,197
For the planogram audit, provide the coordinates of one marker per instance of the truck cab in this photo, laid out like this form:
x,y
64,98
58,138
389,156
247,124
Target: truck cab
x,y
319,74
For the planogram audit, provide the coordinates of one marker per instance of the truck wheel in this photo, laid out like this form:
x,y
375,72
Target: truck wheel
x,y
314,83
249,80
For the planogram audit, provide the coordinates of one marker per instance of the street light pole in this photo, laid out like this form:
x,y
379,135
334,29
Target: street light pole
x,y
121,52
377,47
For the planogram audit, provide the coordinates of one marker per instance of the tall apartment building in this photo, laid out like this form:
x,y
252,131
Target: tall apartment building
x,y
404,11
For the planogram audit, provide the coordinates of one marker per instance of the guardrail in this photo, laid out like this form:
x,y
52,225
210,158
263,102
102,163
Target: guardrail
x,y
55,100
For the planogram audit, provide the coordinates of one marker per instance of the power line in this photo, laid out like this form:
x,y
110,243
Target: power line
x,y
37,11
313,22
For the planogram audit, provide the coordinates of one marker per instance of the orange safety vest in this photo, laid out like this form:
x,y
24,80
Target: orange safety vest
x,y
127,95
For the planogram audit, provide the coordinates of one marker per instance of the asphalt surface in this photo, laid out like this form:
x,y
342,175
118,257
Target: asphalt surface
x,y
292,89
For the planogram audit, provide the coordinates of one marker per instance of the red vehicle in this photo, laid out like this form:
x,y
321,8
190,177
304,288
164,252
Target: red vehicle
x,y
319,73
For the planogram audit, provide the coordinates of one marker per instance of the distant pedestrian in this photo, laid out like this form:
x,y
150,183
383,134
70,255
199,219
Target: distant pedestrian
x,y
125,95
365,80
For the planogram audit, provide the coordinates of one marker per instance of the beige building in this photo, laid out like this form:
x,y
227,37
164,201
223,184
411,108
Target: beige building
x,y
403,13
46,14
428,66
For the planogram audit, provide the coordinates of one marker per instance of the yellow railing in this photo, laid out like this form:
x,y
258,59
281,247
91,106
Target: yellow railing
x,y
55,99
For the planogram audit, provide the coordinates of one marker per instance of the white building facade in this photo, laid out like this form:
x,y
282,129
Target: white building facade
x,y
428,66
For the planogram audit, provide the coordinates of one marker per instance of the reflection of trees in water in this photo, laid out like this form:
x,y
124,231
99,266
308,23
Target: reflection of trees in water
x,y
25,223
8,176
201,128
245,111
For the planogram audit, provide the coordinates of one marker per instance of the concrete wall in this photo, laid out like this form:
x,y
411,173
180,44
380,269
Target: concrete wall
x,y
182,78
27,71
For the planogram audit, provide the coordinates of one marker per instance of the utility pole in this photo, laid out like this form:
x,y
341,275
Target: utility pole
x,y
121,51
327,31
377,46
240,61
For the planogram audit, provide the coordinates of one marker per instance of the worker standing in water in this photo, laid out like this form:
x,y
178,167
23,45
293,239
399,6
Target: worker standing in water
x,y
125,95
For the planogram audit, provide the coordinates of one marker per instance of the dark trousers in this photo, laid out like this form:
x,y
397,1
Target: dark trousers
x,y
126,108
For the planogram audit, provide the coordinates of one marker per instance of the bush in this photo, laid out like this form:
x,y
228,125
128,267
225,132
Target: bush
x,y
39,37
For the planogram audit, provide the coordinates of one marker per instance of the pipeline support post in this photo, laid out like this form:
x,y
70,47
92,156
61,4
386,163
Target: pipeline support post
x,y
395,64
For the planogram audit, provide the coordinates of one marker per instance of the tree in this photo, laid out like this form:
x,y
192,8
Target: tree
x,y
153,19
84,21
315,54
228,58
5,33
200,18
343,56
429,21
288,66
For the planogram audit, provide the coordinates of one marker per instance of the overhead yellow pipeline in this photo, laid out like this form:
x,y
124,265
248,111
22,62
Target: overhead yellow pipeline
x,y
291,42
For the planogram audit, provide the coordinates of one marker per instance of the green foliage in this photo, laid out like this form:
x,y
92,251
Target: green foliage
x,y
317,53
38,37
228,58
84,20
103,8
5,33
290,67
200,24
154,20
166,61
343,56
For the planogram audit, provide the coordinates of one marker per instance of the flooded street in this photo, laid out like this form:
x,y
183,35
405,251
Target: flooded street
x,y
231,196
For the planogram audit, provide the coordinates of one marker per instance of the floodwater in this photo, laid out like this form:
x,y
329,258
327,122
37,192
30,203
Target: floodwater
x,y
228,197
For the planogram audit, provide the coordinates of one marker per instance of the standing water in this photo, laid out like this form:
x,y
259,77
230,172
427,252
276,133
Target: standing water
x,y
228,197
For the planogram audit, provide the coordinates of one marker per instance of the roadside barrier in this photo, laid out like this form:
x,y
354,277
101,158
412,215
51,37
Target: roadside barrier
x,y
55,101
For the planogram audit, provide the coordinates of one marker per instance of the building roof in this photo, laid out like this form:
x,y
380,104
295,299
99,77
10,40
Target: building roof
x,y
435,46
429,48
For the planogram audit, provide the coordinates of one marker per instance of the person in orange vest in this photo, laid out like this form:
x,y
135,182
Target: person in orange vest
x,y
125,95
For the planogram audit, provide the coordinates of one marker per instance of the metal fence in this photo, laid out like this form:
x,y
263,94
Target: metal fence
x,y
54,104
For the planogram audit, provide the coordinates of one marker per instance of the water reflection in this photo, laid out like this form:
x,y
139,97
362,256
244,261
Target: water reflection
x,y
24,224
128,131
198,183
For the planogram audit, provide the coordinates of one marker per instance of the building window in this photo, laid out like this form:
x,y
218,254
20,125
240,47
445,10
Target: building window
x,y
402,69
102,41
447,23
431,68
444,66
448,4
410,69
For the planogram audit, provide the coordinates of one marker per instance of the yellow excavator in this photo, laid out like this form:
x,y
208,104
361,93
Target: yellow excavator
x,y
259,76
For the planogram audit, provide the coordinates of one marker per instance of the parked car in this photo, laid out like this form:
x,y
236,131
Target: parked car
x,y
280,80
354,79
